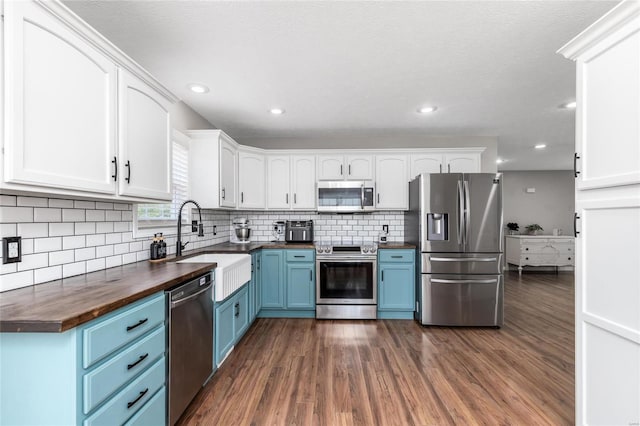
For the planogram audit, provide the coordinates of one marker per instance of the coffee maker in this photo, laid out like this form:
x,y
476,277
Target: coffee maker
x,y
241,231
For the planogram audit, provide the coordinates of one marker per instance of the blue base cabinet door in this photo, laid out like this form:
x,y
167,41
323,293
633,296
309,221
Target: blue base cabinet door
x,y
301,286
396,281
241,313
272,276
224,329
258,281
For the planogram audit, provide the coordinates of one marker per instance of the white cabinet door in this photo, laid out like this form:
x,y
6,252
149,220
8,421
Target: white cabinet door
x,y
331,167
359,167
228,173
251,178
303,182
392,185
278,182
425,163
607,285
461,163
61,93
144,147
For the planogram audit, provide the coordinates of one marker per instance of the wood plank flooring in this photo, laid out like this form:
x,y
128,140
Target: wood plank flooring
x,y
395,372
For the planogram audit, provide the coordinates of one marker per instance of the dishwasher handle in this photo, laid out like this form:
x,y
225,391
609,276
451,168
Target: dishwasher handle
x,y
179,302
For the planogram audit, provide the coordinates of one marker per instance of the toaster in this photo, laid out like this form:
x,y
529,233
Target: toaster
x,y
298,231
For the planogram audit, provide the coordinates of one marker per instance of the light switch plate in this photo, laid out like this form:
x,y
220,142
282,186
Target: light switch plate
x,y
11,249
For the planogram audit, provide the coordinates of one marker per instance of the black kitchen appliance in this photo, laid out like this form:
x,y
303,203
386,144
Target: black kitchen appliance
x,y
298,231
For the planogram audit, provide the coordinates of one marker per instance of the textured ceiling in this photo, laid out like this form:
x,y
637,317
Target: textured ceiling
x,y
359,68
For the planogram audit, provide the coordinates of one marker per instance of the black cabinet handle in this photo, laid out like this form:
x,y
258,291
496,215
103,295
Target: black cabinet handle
x,y
237,306
575,224
142,358
242,197
310,275
526,258
132,403
223,194
349,169
575,164
527,248
131,327
128,166
440,168
286,198
115,169
299,256
449,168
295,199
569,258
396,257
378,198
382,275
341,170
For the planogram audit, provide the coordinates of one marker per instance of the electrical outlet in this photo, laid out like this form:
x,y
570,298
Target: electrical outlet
x,y
11,249
194,226
385,228
215,229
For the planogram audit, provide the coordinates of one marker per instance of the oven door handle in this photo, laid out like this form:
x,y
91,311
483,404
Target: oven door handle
x,y
339,258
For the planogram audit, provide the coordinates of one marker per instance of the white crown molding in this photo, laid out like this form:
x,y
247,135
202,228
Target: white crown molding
x,y
617,17
87,32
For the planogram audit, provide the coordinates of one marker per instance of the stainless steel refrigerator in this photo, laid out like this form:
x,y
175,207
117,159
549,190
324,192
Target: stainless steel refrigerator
x,y
455,221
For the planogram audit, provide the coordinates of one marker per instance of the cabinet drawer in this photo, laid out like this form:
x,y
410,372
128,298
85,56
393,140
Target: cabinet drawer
x,y
396,255
299,255
110,376
128,401
107,336
547,260
153,412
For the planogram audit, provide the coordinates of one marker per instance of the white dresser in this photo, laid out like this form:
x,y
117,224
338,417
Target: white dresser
x,y
539,250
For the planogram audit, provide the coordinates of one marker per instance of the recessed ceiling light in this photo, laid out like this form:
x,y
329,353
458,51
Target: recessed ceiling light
x,y
276,111
569,105
427,109
500,161
198,88
541,146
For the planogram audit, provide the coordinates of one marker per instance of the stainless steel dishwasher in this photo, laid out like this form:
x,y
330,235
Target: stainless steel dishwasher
x,y
190,309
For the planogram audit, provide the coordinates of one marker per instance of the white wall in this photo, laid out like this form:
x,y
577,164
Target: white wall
x,y
551,206
383,140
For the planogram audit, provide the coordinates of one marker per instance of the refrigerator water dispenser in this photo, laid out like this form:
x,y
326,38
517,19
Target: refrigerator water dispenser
x,y
437,226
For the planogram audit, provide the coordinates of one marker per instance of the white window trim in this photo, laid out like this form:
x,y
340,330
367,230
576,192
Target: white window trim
x,y
168,229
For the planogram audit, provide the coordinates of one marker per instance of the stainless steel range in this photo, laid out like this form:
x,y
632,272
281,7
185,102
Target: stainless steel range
x,y
346,282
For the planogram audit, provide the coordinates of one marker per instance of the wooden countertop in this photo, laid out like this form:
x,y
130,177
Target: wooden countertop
x,y
63,304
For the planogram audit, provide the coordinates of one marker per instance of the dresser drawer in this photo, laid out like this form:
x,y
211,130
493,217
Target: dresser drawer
x,y
129,400
393,255
106,336
110,376
153,413
546,260
299,255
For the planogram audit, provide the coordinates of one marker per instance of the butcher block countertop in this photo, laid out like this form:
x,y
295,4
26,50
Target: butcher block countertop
x,y
60,305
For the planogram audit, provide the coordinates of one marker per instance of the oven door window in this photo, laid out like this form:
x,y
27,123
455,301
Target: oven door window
x,y
346,280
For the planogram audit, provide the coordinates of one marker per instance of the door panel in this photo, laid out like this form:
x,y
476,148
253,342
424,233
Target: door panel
x,y
303,181
278,182
440,195
483,233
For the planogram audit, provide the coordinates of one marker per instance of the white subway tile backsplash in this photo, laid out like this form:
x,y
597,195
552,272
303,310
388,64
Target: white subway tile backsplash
x,y
84,228
104,227
128,216
95,215
121,248
142,255
120,206
60,229
65,204
135,246
47,274
71,269
104,206
33,261
17,280
113,238
73,242
104,251
121,226
32,202
95,240
16,214
47,215
112,261
72,215
84,204
61,257
27,246
47,244
8,200
33,230
128,258
8,229
95,265
85,253
8,268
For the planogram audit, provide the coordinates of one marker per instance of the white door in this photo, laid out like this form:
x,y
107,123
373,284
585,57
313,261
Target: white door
x,y
392,185
228,173
461,163
608,215
330,167
144,146
62,95
303,182
278,182
425,163
359,167
251,180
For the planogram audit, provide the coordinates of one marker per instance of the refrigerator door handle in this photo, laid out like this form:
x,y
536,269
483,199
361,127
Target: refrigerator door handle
x,y
467,211
463,259
441,281
460,213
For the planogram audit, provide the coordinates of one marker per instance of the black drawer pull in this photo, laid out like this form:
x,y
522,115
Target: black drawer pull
x,y
237,306
575,164
299,256
115,172
131,327
381,275
142,358
128,166
396,257
526,258
527,248
132,403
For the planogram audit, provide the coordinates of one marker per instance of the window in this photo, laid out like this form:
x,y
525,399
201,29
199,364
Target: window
x,y
151,218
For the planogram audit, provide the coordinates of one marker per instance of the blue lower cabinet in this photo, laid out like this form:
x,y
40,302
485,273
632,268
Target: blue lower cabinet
x,y
272,277
396,284
232,321
93,374
301,285
241,314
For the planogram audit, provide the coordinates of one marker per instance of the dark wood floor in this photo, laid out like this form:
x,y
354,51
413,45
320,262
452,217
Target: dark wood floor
x,y
308,372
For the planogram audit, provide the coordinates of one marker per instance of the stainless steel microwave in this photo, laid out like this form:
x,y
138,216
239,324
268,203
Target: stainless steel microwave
x,y
346,196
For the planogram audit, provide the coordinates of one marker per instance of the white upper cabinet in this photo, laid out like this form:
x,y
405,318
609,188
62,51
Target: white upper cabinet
x,y
144,140
303,181
81,118
461,163
345,167
278,182
61,105
228,172
251,186
425,163
392,184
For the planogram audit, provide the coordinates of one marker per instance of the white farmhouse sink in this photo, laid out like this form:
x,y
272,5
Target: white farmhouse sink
x,y
233,271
